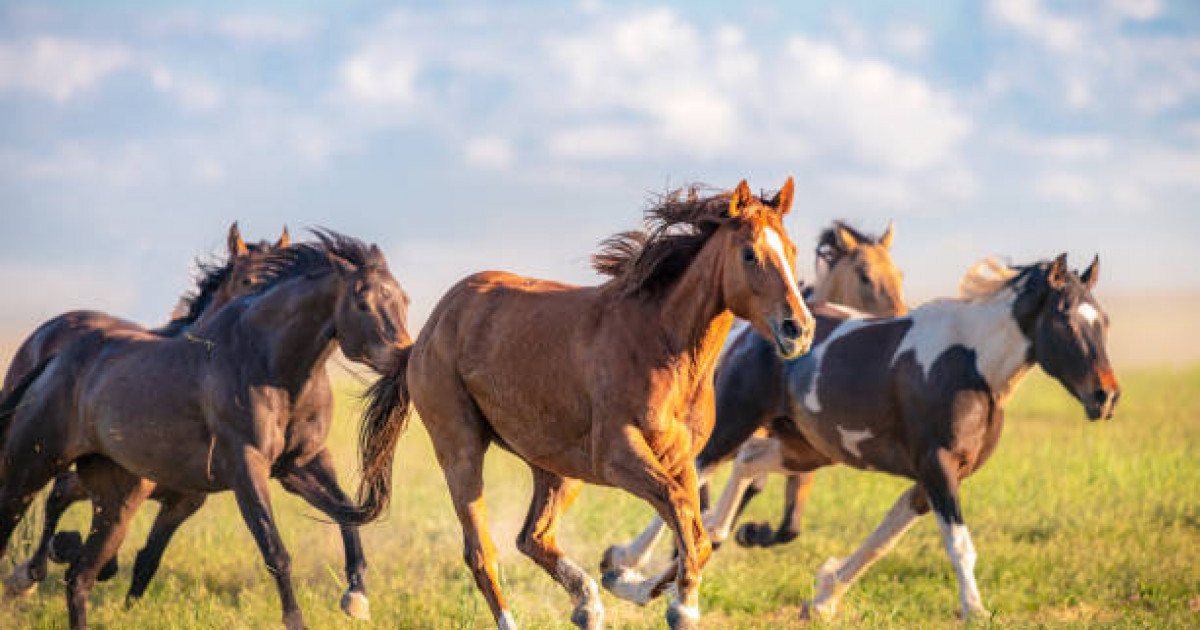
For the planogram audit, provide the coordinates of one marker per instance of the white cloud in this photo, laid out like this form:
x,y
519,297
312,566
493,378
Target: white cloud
x,y
59,68
382,75
885,116
911,40
598,142
1062,147
192,94
489,152
1137,9
1030,18
266,29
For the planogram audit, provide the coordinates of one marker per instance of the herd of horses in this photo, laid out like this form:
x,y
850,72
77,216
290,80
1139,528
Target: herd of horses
x,y
701,347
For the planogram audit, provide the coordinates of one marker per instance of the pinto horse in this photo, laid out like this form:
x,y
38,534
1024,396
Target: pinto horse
x,y
219,411
853,270
216,285
922,397
609,385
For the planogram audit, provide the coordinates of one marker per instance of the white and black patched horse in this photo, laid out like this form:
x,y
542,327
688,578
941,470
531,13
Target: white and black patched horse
x,y
921,396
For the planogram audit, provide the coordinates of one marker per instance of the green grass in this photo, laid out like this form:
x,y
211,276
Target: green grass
x,y
1077,525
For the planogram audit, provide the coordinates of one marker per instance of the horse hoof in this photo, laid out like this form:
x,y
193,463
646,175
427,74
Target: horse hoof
x,y
626,584
356,605
753,534
20,583
65,546
588,616
613,560
680,617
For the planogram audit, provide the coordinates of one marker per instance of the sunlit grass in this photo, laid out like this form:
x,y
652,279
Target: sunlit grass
x,y
1077,525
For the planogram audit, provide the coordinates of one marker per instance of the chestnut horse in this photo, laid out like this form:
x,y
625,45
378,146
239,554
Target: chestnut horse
x,y
854,270
216,285
609,385
135,409
922,397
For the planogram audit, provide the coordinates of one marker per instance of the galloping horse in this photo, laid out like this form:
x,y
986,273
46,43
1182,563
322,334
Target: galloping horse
x,y
223,412
216,286
609,385
922,397
853,270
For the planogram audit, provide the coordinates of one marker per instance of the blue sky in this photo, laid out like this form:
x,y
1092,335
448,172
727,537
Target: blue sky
x,y
462,136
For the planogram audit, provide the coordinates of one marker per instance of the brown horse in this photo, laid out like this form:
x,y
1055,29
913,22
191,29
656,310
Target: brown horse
x,y
216,285
854,270
609,385
134,410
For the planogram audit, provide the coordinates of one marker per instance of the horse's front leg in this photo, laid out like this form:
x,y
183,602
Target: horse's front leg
x,y
940,478
316,482
250,483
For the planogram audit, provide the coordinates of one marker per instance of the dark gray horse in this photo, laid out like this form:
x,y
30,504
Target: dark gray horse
x,y
222,409
216,285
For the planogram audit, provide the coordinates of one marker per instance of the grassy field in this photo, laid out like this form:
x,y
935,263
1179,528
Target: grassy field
x,y
1077,525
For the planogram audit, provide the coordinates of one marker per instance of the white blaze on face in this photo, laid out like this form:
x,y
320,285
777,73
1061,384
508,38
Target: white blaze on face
x,y
775,242
1088,313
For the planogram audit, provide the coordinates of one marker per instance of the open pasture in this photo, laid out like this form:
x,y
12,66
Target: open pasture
x,y
1077,525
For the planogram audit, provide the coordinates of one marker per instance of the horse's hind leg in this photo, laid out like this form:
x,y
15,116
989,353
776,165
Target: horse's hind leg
x,y
552,495
25,476
316,482
26,576
116,497
835,576
176,508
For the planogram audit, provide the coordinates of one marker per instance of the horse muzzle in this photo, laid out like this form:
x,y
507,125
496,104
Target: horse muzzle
x,y
792,338
1101,403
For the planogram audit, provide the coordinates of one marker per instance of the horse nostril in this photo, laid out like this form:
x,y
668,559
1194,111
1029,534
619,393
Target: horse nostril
x,y
1101,396
789,328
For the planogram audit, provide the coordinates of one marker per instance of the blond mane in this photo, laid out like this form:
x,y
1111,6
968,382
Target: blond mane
x,y
985,279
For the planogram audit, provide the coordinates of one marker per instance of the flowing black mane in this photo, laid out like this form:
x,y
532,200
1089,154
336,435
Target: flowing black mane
x,y
209,277
314,258
678,223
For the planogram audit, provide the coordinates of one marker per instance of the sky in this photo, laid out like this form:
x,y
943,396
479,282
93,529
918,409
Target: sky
x,y
463,136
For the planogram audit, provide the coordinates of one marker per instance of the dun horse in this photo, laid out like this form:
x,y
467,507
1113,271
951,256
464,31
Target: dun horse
x,y
228,402
217,284
852,270
922,397
609,385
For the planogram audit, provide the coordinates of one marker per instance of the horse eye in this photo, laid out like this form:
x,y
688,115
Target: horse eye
x,y
748,254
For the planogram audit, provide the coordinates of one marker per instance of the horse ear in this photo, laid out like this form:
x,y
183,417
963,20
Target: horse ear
x,y
1057,276
1092,273
237,247
741,199
845,239
886,239
783,199
285,239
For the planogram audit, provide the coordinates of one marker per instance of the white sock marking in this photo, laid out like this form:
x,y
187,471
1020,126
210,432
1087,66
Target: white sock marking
x,y
506,622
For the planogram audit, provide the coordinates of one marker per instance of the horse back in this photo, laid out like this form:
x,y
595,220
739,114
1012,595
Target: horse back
x,y
55,333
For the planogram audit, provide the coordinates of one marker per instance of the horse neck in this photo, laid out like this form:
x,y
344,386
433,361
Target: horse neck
x,y
1001,349
295,322
693,315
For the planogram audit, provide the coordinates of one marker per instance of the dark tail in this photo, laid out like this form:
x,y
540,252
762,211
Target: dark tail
x,y
8,406
388,409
